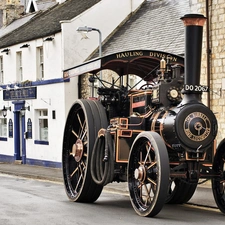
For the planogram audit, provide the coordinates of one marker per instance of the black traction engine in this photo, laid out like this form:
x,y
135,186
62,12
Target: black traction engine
x,y
159,138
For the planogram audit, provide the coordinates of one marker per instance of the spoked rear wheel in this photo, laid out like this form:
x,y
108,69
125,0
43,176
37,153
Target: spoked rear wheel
x,y
180,191
148,174
218,182
83,123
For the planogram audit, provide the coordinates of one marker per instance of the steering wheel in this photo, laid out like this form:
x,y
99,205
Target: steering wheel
x,y
146,86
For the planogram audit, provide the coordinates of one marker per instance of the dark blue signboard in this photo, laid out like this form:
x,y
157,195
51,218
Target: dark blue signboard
x,y
10,128
20,94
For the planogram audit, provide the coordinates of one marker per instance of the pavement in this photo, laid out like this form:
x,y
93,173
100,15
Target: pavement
x,y
202,197
49,174
30,171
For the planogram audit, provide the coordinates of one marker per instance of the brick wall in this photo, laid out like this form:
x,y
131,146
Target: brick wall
x,y
216,22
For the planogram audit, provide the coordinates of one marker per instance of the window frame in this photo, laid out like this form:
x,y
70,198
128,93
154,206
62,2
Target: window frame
x,y
19,66
1,70
5,127
41,131
40,63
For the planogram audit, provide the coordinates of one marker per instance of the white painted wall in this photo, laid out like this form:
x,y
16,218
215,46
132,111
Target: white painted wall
x,y
60,1
7,147
53,52
52,60
66,50
106,16
49,97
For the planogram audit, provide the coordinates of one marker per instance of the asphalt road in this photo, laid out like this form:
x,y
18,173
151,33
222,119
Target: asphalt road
x,y
29,201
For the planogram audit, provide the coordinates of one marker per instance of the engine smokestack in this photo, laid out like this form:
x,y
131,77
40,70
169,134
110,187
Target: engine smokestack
x,y
193,50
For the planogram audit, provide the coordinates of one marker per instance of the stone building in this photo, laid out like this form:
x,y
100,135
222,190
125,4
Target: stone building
x,y
213,57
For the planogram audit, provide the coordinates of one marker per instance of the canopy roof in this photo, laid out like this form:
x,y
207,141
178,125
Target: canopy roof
x,y
142,63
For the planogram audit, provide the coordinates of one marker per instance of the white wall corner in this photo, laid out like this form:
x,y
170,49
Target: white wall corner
x,y
136,4
106,16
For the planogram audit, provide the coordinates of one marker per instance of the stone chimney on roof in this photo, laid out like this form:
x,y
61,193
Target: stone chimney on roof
x,y
10,10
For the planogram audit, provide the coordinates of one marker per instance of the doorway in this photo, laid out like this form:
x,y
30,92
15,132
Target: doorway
x,y
19,133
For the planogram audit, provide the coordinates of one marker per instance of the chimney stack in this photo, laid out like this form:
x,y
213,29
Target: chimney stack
x,y
10,10
193,49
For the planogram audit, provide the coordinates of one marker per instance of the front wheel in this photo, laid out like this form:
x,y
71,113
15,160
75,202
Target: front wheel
x,y
148,174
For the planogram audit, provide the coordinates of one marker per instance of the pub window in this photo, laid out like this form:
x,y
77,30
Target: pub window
x,y
43,125
19,72
1,70
40,63
3,127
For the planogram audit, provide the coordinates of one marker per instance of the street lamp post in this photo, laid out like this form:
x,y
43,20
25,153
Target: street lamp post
x,y
89,29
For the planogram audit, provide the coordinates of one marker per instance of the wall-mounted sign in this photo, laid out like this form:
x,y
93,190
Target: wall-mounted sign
x,y
10,128
29,129
20,94
81,69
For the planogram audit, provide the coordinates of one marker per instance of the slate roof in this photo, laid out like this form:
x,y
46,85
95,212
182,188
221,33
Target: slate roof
x,y
15,24
41,5
156,25
46,23
45,4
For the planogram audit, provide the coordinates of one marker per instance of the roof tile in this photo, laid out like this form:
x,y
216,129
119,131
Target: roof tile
x,y
47,22
156,25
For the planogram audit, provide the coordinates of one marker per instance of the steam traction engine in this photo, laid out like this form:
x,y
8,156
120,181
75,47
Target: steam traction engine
x,y
159,138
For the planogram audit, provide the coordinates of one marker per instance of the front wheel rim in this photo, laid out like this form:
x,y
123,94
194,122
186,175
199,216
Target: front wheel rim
x,y
148,184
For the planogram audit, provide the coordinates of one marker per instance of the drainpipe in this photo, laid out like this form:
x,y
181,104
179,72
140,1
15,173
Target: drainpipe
x,y
208,51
